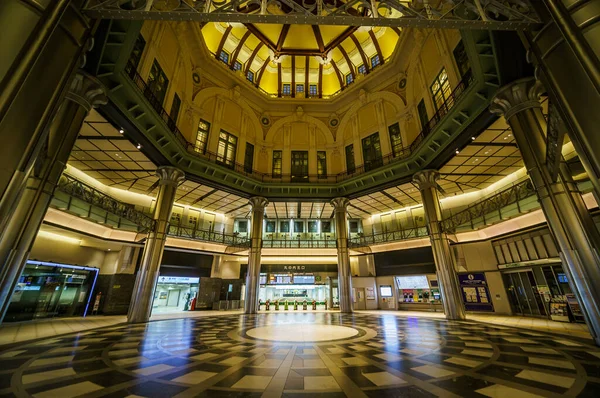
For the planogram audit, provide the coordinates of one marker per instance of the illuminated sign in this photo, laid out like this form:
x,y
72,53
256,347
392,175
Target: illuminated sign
x,y
177,279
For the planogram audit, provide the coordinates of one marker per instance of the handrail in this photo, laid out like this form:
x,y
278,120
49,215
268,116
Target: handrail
x,y
208,236
388,236
513,194
91,195
403,153
300,243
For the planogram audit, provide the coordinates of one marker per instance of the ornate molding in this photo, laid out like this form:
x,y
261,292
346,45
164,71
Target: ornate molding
x,y
169,175
517,96
340,204
258,203
87,91
426,179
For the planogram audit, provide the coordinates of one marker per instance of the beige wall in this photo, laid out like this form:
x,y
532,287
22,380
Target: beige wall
x,y
479,257
364,282
58,251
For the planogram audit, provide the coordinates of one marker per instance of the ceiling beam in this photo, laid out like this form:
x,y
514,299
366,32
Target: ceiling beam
x,y
338,40
260,36
222,42
262,70
500,144
318,38
350,64
306,77
397,30
320,88
237,50
293,76
361,52
251,59
338,73
282,36
377,46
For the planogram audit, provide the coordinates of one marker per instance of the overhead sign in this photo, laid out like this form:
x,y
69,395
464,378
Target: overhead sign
x,y
298,268
178,279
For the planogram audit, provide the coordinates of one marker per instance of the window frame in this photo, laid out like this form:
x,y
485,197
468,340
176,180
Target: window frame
x,y
249,158
277,164
228,142
206,133
299,172
374,64
235,65
364,69
310,90
350,160
286,89
224,59
398,145
250,76
349,78
441,95
154,82
371,148
422,112
321,164
136,53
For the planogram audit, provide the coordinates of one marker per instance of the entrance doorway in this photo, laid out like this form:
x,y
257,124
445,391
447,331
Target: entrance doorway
x,y
523,294
359,299
174,294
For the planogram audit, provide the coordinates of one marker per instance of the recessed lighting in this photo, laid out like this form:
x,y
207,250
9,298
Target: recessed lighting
x,y
140,146
457,151
473,138
108,249
121,131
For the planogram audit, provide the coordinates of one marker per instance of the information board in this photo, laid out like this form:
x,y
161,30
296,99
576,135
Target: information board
x,y
412,282
304,279
476,295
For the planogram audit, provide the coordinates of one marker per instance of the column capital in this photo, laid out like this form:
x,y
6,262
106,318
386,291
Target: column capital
x,y
517,96
87,91
340,204
258,202
169,175
426,179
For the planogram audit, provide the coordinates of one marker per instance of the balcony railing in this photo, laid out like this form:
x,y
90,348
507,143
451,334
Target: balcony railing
x,y
389,236
401,154
513,201
93,204
299,243
209,236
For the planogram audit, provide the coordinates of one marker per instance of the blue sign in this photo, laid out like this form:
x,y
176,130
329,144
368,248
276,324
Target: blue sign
x,y
475,292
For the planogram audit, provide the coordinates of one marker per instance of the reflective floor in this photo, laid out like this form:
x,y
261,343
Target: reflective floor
x,y
295,354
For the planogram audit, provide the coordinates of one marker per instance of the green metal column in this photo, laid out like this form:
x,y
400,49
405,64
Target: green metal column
x,y
41,45
572,228
84,93
147,277
565,53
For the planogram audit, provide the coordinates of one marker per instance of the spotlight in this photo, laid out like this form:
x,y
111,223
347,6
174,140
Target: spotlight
x,y
473,138
121,131
457,151
139,146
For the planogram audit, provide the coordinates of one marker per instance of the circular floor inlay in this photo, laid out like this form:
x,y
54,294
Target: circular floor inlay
x,y
302,332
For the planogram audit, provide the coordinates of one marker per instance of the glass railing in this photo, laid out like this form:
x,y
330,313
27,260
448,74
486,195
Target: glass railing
x,y
398,155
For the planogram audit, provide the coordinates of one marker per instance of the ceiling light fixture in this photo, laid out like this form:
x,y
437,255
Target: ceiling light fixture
x,y
473,138
457,151
139,146
121,131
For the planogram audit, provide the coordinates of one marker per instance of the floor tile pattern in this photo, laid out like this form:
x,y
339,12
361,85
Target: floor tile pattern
x,y
388,356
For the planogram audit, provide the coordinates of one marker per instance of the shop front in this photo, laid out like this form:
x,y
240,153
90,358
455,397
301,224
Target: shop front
x,y
541,289
48,290
174,294
287,286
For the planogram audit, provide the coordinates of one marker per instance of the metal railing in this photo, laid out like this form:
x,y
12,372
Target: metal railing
x,y
388,236
398,155
490,209
299,243
79,190
209,236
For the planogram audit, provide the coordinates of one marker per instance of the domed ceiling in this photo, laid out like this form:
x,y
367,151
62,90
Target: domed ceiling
x,y
300,60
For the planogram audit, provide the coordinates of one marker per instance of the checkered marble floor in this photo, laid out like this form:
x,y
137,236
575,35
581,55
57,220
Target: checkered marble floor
x,y
388,356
